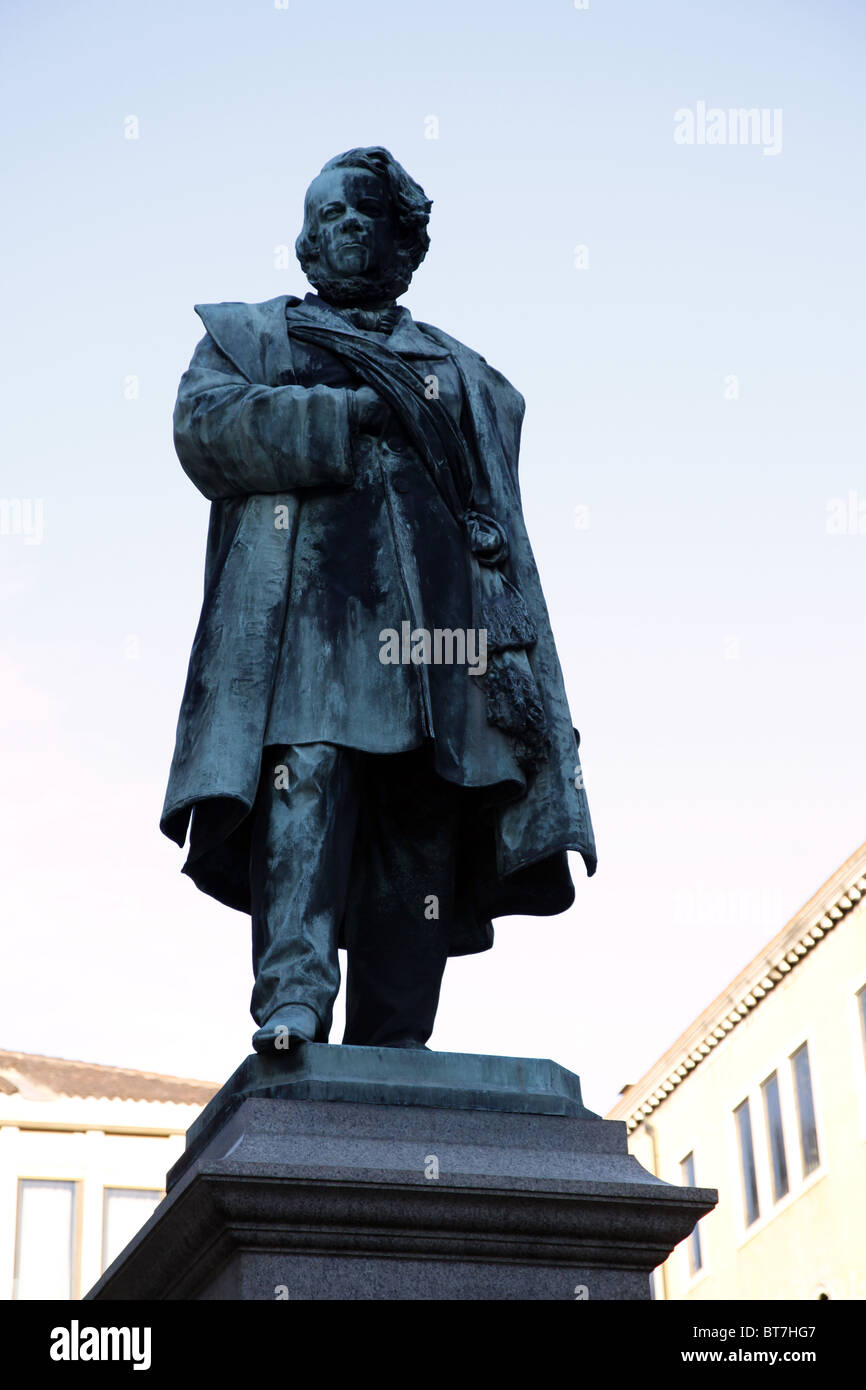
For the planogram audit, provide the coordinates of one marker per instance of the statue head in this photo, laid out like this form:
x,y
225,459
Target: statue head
x,y
365,228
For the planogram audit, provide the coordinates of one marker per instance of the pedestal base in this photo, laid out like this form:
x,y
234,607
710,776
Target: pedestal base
x,y
515,1191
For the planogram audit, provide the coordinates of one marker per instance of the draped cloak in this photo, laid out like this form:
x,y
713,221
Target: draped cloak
x,y
256,437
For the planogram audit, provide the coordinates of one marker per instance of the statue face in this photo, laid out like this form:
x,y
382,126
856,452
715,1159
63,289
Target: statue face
x,y
356,232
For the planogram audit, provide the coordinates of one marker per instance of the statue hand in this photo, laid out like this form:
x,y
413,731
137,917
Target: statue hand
x,y
371,411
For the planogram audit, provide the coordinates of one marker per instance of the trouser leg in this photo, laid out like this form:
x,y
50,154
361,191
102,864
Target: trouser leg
x,y
397,931
303,830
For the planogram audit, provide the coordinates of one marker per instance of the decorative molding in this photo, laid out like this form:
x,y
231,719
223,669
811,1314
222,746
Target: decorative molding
x,y
782,955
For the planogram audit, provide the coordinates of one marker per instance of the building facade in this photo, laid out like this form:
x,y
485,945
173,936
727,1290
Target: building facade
x,y
764,1098
84,1150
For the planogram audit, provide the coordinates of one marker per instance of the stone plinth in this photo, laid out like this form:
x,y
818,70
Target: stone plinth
x,y
381,1173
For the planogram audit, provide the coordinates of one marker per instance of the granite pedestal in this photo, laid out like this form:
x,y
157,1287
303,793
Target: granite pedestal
x,y
382,1173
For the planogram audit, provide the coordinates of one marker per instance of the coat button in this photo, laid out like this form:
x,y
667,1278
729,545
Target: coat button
x,y
394,442
401,485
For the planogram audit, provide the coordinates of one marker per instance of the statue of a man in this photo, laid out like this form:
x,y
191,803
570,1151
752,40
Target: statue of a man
x,y
374,748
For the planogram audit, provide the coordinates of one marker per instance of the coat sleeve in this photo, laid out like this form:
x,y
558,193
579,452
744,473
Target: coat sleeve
x,y
235,438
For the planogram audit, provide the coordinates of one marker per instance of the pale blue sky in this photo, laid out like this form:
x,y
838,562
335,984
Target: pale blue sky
x,y
710,629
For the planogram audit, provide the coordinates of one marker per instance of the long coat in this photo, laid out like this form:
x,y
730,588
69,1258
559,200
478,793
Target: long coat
x,y
253,438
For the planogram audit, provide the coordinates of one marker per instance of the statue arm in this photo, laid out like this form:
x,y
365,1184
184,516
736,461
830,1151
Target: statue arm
x,y
235,438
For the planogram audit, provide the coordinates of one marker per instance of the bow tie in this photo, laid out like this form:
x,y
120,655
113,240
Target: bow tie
x,y
373,320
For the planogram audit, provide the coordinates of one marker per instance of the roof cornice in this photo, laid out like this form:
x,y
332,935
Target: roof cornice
x,y
31,1076
816,920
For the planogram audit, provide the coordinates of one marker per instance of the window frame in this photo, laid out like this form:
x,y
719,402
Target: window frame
x,y
108,1190
805,1172
748,1221
695,1263
25,1180
777,1192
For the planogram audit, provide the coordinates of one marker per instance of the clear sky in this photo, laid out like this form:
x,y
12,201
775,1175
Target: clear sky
x,y
694,383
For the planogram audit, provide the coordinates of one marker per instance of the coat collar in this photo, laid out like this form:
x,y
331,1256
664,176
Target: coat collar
x,y
406,338
254,338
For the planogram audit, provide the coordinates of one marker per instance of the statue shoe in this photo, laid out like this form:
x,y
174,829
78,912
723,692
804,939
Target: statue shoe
x,y
287,1026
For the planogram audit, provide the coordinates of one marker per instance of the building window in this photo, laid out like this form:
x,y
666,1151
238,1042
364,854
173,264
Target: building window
x,y
805,1109
45,1240
125,1210
775,1136
687,1171
743,1117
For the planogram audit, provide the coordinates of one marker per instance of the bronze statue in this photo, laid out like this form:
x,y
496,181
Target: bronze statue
x,y
374,748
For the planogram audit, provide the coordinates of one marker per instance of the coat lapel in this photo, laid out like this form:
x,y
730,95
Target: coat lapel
x,y
407,338
253,337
